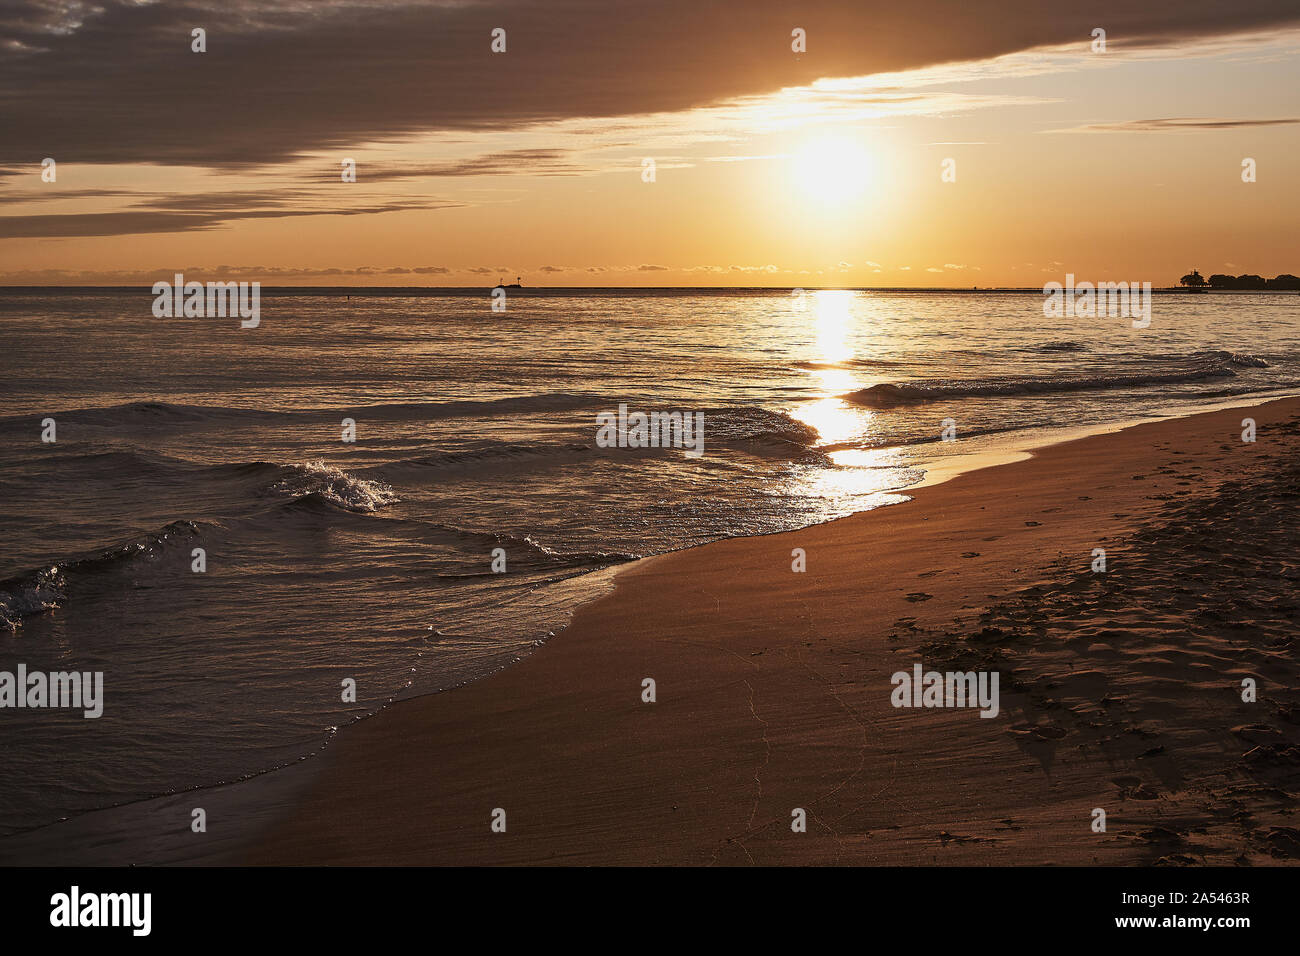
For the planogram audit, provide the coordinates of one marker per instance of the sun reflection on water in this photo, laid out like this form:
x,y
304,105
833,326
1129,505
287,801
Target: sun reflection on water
x,y
833,320
831,416
856,473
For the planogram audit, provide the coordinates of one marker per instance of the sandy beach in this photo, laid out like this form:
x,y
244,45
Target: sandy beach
x,y
613,436
1120,690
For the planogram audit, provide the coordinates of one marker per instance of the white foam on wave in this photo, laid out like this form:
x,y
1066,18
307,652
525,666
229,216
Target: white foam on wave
x,y
41,591
336,486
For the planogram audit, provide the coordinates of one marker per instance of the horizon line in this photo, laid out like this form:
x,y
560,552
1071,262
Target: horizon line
x,y
616,288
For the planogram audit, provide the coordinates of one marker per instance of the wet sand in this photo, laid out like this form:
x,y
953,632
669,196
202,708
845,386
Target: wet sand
x,y
1119,691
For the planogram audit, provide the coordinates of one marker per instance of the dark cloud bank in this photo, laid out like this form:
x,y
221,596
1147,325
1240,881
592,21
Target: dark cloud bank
x,y
121,85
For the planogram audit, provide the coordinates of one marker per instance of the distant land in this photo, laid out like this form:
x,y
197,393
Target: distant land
x,y
1283,283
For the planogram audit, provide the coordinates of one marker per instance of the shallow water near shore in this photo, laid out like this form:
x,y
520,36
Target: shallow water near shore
x,y
372,561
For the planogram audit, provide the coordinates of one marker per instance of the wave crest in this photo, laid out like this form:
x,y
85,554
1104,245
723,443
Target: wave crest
x,y
335,486
42,590
1197,367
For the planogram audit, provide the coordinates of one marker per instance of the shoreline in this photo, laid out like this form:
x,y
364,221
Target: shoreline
x,y
758,713
1023,445
314,784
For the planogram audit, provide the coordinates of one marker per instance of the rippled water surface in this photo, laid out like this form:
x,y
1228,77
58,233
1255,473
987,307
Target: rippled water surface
x,y
475,431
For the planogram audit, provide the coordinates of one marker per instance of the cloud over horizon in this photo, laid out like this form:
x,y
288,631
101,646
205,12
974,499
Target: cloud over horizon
x,y
117,83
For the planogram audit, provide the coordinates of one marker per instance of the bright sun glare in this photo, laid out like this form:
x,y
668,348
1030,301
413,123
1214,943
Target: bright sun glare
x,y
833,168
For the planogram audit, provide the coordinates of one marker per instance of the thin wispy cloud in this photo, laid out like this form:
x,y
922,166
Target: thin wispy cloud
x,y
185,213
517,162
1177,124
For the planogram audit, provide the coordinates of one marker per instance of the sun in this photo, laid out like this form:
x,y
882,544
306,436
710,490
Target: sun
x,y
833,169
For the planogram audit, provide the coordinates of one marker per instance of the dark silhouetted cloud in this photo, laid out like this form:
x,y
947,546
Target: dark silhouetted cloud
x,y
115,81
180,213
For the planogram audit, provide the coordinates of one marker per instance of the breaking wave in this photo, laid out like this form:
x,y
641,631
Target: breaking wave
x,y
1201,366
335,486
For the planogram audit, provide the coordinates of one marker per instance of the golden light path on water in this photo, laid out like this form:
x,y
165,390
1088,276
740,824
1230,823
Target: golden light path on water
x,y
859,471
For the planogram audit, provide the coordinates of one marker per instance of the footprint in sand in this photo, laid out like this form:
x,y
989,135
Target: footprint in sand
x,y
1130,787
1257,733
1161,835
